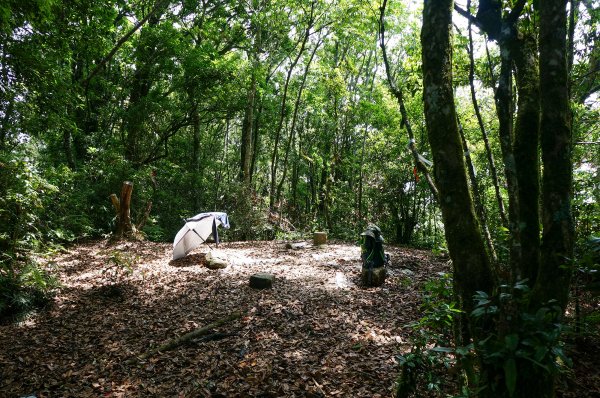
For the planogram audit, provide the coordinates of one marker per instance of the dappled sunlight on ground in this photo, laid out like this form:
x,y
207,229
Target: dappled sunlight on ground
x,y
316,332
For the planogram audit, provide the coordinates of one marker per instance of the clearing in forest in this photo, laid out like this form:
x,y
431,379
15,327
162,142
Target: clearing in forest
x,y
317,332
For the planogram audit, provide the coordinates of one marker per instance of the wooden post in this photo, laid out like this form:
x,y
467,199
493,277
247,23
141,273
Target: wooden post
x,y
319,238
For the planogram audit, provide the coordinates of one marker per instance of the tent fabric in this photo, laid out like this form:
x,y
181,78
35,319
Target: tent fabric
x,y
196,231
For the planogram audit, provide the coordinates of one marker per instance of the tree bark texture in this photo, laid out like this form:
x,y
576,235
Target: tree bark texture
x,y
125,225
504,108
557,181
472,270
526,148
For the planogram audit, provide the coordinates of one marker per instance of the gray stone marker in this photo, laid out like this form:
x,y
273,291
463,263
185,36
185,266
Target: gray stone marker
x,y
262,280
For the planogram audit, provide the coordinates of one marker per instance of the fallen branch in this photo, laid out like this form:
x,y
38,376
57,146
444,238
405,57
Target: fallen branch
x,y
176,342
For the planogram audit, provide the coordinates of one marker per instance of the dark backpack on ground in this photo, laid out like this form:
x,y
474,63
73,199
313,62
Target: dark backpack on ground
x,y
372,253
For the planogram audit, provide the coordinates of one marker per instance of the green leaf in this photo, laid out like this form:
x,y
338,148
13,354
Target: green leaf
x,y
442,349
511,341
540,352
510,375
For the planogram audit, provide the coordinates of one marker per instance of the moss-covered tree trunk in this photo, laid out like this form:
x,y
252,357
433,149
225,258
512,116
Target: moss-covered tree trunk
x,y
558,232
526,150
472,269
549,87
504,108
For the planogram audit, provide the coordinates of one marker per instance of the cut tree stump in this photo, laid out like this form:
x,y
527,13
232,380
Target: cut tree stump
x,y
262,280
319,238
373,276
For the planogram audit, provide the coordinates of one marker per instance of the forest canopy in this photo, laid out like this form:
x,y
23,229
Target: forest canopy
x,y
443,123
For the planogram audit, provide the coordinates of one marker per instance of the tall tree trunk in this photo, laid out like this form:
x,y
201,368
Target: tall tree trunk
x,y
361,177
67,147
295,119
558,234
526,147
195,161
282,114
472,270
504,108
247,144
142,82
256,135
222,162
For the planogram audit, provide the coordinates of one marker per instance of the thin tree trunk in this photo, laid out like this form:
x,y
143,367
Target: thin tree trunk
x,y
247,145
486,141
223,161
67,147
140,87
282,113
195,154
479,206
295,118
256,136
397,92
360,176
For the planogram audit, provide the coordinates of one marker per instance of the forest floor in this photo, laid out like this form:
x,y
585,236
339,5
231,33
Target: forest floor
x,y
316,333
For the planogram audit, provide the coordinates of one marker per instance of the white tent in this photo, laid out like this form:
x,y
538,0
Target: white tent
x,y
197,230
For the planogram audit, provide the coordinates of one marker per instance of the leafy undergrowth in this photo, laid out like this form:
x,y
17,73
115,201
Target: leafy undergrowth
x,y
317,333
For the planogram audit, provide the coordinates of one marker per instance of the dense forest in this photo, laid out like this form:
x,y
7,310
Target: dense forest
x,y
468,128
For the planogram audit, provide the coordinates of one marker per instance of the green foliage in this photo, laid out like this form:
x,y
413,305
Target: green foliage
x,y
249,215
24,287
428,358
120,265
521,337
589,265
21,204
586,283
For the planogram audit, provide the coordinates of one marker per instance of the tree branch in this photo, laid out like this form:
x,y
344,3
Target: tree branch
x,y
397,92
469,16
119,43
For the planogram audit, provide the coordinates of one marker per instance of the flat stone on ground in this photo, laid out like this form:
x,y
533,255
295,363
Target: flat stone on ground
x,y
214,262
262,280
